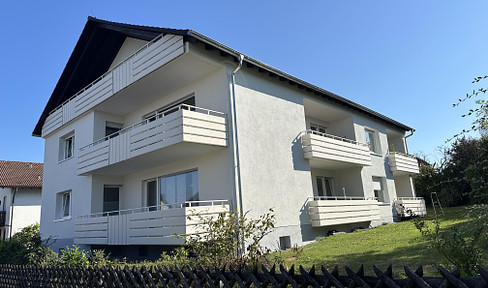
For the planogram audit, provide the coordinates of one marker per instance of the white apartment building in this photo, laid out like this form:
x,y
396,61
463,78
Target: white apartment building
x,y
148,125
20,196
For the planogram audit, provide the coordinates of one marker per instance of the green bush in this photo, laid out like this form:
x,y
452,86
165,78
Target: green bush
x,y
227,238
466,245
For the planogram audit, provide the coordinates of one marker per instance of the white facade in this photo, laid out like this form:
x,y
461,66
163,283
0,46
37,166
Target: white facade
x,y
21,207
159,158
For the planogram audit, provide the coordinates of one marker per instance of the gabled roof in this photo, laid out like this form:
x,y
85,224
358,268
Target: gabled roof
x,y
101,40
20,174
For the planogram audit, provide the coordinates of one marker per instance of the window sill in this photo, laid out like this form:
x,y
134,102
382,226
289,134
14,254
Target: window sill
x,y
65,159
62,219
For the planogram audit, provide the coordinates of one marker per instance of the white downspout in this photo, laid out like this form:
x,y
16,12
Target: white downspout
x,y
235,144
406,146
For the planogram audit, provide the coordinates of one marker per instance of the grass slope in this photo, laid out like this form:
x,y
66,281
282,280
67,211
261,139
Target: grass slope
x,y
398,244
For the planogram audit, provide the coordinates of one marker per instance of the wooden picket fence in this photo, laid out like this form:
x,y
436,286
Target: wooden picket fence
x,y
242,276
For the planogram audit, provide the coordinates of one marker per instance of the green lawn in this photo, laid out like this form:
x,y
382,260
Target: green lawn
x,y
398,243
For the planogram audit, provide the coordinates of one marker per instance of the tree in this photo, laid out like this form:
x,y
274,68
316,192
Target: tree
x,y
449,179
480,123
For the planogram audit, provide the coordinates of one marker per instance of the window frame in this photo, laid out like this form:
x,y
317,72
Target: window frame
x,y
63,204
314,127
372,136
159,201
384,199
154,115
66,147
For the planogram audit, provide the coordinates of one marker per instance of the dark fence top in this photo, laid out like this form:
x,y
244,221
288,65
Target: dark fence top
x,y
242,276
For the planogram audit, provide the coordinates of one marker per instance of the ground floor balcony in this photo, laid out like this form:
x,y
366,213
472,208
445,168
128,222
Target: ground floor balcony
x,y
339,210
410,206
401,164
181,132
330,151
154,225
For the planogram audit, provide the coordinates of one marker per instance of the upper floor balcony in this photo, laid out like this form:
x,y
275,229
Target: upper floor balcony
x,y
330,151
401,164
338,210
159,68
178,133
155,225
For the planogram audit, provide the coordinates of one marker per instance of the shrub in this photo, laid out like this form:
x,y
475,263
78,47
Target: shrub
x,y
228,238
465,245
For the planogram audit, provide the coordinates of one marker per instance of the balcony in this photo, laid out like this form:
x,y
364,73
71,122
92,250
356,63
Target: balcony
x,y
410,206
181,132
157,53
402,164
2,218
155,225
338,210
329,151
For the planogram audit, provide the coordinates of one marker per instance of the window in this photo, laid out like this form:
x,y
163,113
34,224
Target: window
x,y
63,205
285,243
371,140
169,190
379,190
110,198
318,128
324,186
66,146
112,128
168,109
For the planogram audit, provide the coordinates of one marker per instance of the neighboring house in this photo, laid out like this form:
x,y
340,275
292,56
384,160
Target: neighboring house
x,y
147,125
20,196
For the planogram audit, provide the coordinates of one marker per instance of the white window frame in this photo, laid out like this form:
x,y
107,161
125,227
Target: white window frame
x,y
372,136
318,128
67,147
323,179
158,188
63,203
382,193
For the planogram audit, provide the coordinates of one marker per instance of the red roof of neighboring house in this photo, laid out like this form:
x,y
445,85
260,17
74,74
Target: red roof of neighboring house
x,y
20,174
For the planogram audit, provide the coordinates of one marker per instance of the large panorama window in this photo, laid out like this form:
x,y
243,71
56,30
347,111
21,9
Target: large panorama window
x,y
172,191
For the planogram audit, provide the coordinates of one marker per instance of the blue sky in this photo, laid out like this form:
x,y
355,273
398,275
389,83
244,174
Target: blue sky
x,y
409,60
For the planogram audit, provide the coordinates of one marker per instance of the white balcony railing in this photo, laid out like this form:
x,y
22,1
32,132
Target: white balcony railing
x,y
184,123
410,206
150,57
338,210
323,146
154,225
402,163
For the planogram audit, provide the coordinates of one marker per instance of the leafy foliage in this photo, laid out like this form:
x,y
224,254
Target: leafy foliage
x,y
228,238
449,179
480,123
465,245
477,174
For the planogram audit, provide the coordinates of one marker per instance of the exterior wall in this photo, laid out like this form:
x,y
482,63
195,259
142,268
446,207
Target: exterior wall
x,y
404,186
26,209
379,168
274,173
130,46
61,176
